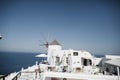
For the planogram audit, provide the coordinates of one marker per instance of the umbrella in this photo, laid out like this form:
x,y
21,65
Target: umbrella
x,y
42,56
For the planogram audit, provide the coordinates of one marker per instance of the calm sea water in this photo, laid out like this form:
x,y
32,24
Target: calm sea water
x,y
14,61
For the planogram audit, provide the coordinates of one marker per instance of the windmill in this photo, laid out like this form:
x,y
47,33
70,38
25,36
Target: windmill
x,y
44,43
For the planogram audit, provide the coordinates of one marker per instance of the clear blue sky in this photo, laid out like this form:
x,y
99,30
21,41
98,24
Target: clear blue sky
x,y
92,25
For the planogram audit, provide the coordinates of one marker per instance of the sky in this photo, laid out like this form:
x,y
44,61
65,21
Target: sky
x,y
92,25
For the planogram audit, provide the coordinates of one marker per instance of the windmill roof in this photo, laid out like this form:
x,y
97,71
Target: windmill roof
x,y
55,42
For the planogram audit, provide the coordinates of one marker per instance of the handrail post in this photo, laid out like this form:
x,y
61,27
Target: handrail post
x,y
16,77
3,77
118,73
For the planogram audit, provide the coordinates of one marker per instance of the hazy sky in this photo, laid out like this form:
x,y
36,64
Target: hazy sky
x,y
92,25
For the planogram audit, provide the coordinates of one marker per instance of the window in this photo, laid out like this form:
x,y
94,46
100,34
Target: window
x,y
67,60
57,60
75,53
86,62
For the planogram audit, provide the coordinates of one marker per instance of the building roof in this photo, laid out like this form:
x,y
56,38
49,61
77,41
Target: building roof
x,y
115,62
54,42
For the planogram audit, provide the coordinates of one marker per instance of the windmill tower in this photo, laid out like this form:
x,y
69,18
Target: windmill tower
x,y
54,49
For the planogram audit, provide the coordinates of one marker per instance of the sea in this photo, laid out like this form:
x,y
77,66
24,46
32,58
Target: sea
x,y
14,61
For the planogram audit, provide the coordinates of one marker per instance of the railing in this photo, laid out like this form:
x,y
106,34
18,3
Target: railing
x,y
3,77
17,76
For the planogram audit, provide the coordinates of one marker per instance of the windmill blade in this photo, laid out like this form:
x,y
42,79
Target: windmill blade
x,y
49,38
43,49
41,44
43,41
46,40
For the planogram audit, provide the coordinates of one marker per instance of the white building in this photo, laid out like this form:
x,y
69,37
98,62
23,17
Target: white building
x,y
73,58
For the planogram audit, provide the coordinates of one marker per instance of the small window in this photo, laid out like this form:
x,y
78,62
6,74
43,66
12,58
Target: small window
x,y
67,60
57,60
75,53
85,62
